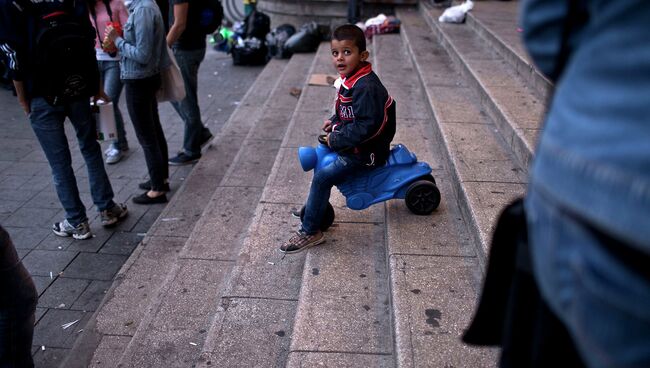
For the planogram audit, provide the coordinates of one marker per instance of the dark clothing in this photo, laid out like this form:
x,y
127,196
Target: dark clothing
x,y
17,307
192,38
364,123
18,35
354,11
143,110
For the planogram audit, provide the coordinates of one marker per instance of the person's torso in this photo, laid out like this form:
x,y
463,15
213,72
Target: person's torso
x,y
144,18
192,37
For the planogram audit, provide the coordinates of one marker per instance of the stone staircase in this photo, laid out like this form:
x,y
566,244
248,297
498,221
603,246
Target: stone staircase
x,y
208,287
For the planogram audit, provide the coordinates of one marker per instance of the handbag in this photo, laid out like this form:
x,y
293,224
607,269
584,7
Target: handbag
x,y
172,87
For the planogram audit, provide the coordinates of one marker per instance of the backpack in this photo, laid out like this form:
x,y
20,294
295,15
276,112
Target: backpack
x,y
257,24
208,15
64,65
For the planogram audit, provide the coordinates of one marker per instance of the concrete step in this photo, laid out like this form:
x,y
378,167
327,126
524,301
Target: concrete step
x,y
497,23
254,322
175,329
485,174
433,266
139,282
505,96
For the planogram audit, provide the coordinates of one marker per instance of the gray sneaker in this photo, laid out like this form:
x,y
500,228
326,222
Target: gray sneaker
x,y
65,229
114,214
113,155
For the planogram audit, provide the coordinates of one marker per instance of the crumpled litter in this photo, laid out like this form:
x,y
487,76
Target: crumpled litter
x,y
381,24
456,14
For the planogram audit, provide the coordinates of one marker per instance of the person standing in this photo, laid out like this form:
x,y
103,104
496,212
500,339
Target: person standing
x,y
55,83
143,57
588,200
188,43
103,12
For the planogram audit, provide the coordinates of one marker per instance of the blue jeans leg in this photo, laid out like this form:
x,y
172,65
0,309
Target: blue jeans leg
x,y
189,62
597,285
110,74
321,187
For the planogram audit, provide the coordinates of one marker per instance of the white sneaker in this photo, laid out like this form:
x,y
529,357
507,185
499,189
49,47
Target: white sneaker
x,y
113,155
64,228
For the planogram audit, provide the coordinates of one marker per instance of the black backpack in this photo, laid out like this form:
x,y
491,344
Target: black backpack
x,y
64,65
208,15
257,24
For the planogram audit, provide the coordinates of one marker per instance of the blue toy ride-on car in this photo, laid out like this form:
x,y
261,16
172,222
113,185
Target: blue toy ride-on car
x,y
402,177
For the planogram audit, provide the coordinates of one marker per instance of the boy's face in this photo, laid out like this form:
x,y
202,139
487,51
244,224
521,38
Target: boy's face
x,y
346,56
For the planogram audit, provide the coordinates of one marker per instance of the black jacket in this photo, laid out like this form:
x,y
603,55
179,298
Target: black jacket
x,y
364,122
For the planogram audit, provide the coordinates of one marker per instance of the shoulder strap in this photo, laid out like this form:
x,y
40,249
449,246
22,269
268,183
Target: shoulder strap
x,y
107,4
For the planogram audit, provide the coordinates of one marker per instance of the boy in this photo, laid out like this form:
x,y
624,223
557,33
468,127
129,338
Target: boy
x,y
360,130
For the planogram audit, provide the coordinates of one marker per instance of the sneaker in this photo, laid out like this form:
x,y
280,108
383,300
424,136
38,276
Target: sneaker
x,y
302,241
114,214
113,155
65,229
147,186
184,159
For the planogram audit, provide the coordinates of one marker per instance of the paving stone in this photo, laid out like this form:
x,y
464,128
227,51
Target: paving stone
x,y
273,124
251,333
42,282
7,207
288,183
109,348
95,266
21,195
90,299
147,219
121,243
306,129
339,360
42,262
62,293
26,237
28,169
40,312
55,243
344,298
254,164
44,199
50,357
434,299
319,99
50,333
99,238
41,217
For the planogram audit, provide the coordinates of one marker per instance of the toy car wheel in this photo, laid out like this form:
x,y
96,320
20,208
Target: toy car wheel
x,y
328,218
422,197
428,177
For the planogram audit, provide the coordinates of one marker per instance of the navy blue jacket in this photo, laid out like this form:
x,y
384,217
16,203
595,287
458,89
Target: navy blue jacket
x,y
364,122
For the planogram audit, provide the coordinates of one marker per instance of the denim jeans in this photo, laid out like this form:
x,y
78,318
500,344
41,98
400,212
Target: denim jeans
x,y
195,132
597,285
47,122
110,73
17,307
321,187
143,110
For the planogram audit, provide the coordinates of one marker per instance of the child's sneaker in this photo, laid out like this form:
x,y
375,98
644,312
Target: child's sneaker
x,y
64,228
302,241
114,214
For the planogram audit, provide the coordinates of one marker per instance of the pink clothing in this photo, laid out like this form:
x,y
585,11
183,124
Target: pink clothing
x,y
120,15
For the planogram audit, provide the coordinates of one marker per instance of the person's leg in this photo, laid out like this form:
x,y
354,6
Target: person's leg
x,y
321,187
354,11
162,142
597,285
195,133
84,125
47,123
113,88
140,99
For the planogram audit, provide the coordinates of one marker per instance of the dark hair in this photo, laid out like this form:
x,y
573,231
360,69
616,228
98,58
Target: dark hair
x,y
350,32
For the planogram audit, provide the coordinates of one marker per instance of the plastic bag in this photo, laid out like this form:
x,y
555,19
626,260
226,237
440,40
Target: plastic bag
x,y
456,14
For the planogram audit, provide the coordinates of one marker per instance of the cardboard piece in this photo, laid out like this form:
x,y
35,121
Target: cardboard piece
x,y
322,80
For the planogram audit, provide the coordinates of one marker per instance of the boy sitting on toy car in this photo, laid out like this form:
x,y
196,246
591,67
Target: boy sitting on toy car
x,y
360,131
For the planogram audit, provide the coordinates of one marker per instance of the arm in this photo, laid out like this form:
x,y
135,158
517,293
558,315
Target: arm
x,y
12,42
368,118
142,50
180,22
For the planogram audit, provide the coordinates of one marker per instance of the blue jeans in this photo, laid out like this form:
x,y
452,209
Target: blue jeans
x,y
110,73
321,187
195,132
47,122
597,285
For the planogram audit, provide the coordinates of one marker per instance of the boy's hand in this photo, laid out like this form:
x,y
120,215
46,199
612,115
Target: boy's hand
x,y
327,126
327,139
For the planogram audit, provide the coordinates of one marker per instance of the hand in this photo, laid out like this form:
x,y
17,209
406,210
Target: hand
x,y
25,103
101,96
327,126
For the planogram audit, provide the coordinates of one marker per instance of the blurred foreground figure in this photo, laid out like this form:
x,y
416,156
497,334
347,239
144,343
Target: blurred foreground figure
x,y
588,202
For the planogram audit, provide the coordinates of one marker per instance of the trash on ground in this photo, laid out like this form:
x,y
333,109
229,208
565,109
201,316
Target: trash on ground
x,y
193,344
271,263
167,219
43,347
295,92
456,14
51,277
381,24
322,80
61,306
141,234
66,325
